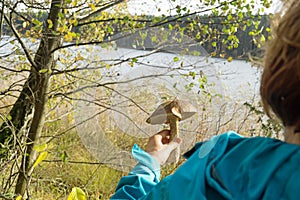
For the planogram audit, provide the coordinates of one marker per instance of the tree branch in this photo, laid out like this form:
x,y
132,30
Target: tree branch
x,y
28,56
1,19
112,19
100,10
14,70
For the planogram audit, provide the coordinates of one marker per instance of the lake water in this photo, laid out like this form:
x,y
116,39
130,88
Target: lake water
x,y
237,79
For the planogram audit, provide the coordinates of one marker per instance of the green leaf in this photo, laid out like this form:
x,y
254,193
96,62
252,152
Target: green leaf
x,y
214,44
50,24
154,39
251,33
126,18
134,60
64,157
192,74
43,71
41,157
9,117
205,30
36,22
76,194
175,59
61,15
249,23
240,15
262,39
109,29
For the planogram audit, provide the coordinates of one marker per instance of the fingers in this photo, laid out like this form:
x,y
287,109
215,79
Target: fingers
x,y
164,137
173,145
165,140
164,133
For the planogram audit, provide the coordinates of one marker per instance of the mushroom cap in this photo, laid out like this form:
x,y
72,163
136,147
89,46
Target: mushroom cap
x,y
181,109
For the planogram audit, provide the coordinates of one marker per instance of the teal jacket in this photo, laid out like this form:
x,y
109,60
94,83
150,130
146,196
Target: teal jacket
x,y
228,166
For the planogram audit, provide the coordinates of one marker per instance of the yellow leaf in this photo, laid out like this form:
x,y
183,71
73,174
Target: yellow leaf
x,y
229,59
24,24
74,3
60,29
19,197
40,147
41,157
62,60
73,21
77,194
27,33
79,57
130,64
50,24
92,6
68,37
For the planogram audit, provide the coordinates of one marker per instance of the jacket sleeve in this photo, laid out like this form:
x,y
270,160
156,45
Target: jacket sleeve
x,y
142,178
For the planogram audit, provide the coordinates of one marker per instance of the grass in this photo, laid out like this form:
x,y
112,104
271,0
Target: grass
x,y
55,178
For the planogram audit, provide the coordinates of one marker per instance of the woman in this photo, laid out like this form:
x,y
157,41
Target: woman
x,y
229,166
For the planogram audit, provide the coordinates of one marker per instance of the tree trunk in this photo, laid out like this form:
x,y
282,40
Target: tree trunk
x,y
29,156
22,108
43,61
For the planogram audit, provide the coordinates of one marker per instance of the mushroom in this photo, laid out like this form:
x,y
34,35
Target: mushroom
x,y
171,112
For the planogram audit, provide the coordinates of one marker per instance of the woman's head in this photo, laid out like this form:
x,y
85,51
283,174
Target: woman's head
x,y
280,83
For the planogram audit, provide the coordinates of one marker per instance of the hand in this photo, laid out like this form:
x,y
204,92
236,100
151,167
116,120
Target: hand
x,y
160,146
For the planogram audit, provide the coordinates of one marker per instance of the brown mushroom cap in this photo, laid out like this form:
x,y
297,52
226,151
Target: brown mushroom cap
x,y
180,108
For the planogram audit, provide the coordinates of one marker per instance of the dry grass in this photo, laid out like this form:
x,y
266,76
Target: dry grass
x,y
55,178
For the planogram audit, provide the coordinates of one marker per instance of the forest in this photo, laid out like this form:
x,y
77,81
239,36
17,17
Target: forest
x,y
249,36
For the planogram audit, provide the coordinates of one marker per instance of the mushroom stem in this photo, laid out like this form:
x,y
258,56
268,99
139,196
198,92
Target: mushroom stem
x,y
174,121
174,132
